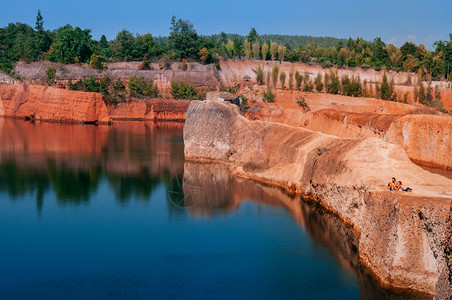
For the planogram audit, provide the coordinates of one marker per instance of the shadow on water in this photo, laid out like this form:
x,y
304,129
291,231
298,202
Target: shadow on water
x,y
207,190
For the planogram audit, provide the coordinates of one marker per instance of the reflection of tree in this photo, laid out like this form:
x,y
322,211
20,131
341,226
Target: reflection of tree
x,y
17,183
128,187
72,185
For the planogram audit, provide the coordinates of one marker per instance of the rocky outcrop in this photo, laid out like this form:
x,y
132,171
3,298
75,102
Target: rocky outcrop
x,y
427,139
51,104
6,79
150,110
403,236
196,74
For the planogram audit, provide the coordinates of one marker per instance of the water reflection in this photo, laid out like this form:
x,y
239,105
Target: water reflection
x,y
137,160
211,190
72,160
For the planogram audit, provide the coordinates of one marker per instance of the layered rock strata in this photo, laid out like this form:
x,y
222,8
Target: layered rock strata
x,y
151,110
427,139
404,236
51,104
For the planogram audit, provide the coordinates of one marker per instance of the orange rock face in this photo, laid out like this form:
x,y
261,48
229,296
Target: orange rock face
x,y
52,104
426,138
151,110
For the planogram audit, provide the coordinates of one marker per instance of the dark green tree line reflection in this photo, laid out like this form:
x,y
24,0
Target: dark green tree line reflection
x,y
75,186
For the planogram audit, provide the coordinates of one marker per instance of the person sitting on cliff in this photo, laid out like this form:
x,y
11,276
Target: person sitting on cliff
x,y
400,188
392,184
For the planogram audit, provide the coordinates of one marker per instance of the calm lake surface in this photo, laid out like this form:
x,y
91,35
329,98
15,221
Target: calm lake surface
x,y
93,212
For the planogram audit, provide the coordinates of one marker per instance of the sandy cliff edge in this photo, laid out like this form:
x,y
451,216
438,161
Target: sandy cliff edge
x,y
404,237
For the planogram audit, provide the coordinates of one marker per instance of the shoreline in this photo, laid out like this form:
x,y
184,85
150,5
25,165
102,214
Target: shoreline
x,y
402,235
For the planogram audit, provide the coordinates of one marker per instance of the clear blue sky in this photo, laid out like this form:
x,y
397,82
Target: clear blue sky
x,y
395,21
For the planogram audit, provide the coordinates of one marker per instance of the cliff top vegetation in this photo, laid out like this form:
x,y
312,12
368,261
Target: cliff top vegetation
x,y
69,45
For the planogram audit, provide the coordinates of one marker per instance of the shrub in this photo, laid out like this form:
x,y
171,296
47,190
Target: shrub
x,y
245,104
282,79
269,97
318,83
327,64
138,86
145,63
259,71
303,104
50,76
112,93
298,80
97,62
290,81
181,90
275,72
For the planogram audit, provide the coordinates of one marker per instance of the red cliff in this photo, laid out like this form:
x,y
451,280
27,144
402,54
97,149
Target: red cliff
x,y
52,104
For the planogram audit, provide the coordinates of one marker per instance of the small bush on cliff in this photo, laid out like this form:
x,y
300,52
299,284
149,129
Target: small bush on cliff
x,y
245,104
138,86
97,62
112,92
259,71
51,76
181,90
298,80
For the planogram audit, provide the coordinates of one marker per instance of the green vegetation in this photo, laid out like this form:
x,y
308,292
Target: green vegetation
x,y
181,90
140,87
51,76
112,92
75,45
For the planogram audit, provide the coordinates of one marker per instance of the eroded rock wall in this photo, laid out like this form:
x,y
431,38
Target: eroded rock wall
x,y
51,104
348,177
427,139
150,110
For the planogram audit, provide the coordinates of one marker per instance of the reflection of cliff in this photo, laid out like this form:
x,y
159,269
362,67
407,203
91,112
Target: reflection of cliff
x,y
71,160
209,190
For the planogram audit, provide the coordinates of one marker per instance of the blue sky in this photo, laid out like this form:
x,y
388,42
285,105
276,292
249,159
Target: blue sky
x,y
395,21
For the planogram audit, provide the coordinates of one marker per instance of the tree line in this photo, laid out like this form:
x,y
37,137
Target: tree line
x,y
70,45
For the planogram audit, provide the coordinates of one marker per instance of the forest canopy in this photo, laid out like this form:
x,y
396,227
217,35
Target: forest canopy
x,y
70,45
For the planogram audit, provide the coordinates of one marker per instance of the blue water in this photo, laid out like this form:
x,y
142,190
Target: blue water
x,y
101,223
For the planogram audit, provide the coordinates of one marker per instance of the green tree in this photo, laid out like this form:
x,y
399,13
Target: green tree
x,y
71,43
252,36
124,45
183,39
